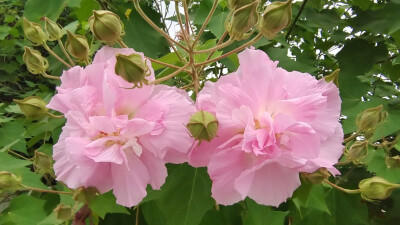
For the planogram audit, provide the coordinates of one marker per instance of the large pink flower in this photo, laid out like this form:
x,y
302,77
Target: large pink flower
x,y
273,124
118,138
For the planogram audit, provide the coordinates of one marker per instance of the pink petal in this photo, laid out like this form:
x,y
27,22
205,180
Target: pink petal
x,y
269,184
130,180
156,169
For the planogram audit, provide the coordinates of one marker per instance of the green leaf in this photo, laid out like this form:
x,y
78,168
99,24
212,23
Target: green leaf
x,y
85,9
105,203
151,208
10,132
4,32
217,21
24,210
262,215
186,196
376,164
141,36
35,10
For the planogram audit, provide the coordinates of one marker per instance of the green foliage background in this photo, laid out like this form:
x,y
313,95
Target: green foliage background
x,y
361,37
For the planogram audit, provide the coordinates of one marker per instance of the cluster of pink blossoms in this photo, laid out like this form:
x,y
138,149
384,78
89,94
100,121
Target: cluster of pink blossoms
x,y
115,137
273,124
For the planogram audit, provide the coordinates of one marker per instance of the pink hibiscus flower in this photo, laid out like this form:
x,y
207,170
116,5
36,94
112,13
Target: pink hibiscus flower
x,y
118,138
273,124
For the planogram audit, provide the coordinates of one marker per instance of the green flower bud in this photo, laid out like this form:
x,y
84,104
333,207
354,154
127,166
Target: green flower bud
x,y
376,188
392,162
9,182
53,29
243,19
32,107
106,26
77,45
42,162
34,32
64,212
203,126
334,77
357,151
132,68
235,4
34,61
276,17
317,177
85,195
368,120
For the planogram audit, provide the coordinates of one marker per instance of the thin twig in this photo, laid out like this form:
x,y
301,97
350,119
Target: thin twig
x,y
44,74
151,23
47,191
169,76
65,52
163,63
295,19
55,55
215,48
203,27
348,191
252,41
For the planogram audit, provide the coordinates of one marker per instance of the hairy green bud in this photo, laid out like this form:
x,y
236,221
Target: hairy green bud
x,y
9,182
77,45
376,188
42,162
34,32
203,126
276,17
243,19
32,107
106,26
34,61
369,119
132,68
53,29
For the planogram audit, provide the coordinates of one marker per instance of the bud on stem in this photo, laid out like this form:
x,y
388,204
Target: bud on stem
x,y
53,29
203,126
34,61
106,26
376,188
77,45
276,17
132,69
34,32
32,107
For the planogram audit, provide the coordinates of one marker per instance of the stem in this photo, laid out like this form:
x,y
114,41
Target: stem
x,y
148,20
121,42
44,74
351,137
55,116
17,154
169,76
203,27
343,163
163,63
178,16
137,216
48,191
295,19
215,48
348,191
252,41
55,55
65,52
86,60
187,21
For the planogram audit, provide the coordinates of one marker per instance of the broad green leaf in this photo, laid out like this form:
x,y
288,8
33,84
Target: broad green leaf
x,y
217,21
186,196
149,210
262,215
24,210
35,10
85,9
141,36
105,203
377,165
10,132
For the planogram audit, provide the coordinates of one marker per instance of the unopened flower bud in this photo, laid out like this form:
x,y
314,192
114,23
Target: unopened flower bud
x,y
357,151
376,188
368,120
106,26
392,161
85,195
317,177
34,32
9,182
53,29
132,68
203,126
333,77
34,61
276,17
243,19
235,4
32,107
42,162
77,45
64,212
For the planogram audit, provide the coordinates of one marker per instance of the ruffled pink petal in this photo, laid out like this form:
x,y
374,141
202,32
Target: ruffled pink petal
x,y
268,184
73,78
130,180
156,169
137,127
224,168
